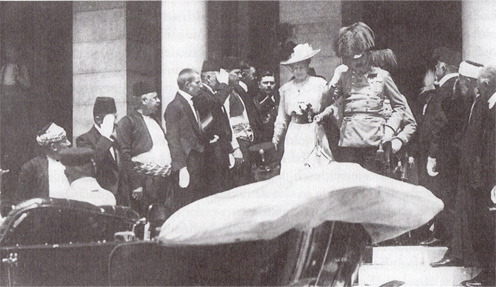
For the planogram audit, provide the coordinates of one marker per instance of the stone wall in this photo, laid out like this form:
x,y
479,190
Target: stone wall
x,y
99,59
313,22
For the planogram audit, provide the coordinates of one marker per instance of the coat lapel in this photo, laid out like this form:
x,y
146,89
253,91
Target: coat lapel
x,y
189,112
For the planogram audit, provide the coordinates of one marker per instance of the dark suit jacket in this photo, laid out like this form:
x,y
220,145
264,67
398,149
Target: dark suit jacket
x,y
209,105
33,179
107,169
183,132
133,138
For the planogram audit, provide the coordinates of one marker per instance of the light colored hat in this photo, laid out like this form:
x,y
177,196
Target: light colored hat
x,y
470,69
50,134
300,53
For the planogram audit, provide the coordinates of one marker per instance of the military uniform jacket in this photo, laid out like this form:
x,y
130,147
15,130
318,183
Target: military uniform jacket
x,y
362,97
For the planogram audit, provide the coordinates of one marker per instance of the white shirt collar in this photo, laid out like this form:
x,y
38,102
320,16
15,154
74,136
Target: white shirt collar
x,y
446,78
187,96
243,85
492,101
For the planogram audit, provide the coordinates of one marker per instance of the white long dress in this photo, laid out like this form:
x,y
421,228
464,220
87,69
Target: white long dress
x,y
301,138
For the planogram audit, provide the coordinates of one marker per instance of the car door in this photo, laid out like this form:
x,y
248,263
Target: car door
x,y
49,246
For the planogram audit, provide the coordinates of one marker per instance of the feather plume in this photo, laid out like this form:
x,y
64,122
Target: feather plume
x,y
354,40
384,59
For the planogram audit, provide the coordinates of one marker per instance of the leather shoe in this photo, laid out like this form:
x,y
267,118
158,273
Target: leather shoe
x,y
483,279
433,241
447,261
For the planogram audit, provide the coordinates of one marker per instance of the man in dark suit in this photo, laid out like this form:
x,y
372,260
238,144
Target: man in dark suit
x,y
100,138
43,176
441,125
482,196
145,153
186,139
223,149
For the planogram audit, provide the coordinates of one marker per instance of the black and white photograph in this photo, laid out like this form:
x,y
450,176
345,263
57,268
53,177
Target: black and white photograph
x,y
248,143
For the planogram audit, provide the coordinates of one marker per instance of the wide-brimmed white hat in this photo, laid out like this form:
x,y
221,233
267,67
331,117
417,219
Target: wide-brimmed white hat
x,y
300,53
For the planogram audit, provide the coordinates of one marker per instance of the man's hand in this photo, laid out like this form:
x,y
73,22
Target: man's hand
x,y
493,194
108,125
238,156
138,193
183,177
232,161
223,77
431,166
396,145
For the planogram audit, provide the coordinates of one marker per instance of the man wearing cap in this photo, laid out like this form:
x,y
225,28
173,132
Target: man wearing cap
x,y
43,176
243,117
373,109
80,171
446,122
142,142
101,139
460,250
222,149
186,139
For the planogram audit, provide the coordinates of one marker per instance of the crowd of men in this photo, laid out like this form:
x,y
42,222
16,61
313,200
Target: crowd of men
x,y
218,124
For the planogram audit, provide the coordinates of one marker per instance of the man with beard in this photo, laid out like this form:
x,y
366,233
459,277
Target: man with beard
x,y
143,144
222,149
445,115
460,248
243,118
482,195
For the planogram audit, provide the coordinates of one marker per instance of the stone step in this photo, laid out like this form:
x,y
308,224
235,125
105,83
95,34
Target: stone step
x,y
401,255
414,275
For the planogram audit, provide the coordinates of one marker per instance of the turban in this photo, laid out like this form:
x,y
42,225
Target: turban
x,y
50,134
470,69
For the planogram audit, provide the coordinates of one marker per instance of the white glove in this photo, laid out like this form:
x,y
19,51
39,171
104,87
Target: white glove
x,y
431,166
388,135
215,139
396,145
223,77
493,194
108,124
338,72
232,161
138,193
183,177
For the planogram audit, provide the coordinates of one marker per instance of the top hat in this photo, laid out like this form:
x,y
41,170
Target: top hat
x,y
210,65
300,53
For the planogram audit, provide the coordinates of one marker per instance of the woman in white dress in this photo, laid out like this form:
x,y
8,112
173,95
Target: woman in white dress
x,y
302,98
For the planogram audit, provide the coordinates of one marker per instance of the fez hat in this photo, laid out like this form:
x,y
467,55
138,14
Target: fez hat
x,y
448,56
104,106
78,156
231,63
210,65
300,53
142,88
470,69
51,133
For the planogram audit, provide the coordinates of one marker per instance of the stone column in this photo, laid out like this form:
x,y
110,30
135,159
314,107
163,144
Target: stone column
x,y
479,31
99,58
184,42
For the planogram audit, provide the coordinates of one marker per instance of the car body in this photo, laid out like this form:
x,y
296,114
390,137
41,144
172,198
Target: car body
x,y
58,242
